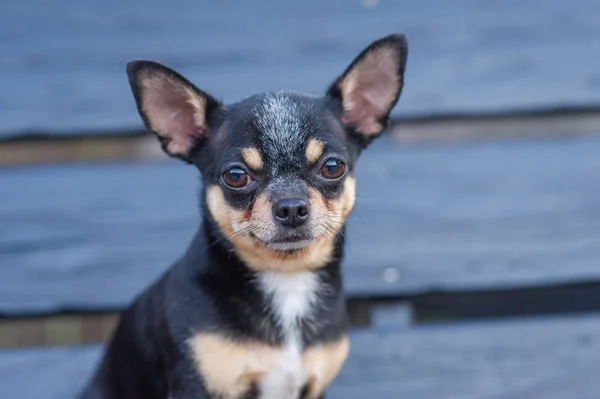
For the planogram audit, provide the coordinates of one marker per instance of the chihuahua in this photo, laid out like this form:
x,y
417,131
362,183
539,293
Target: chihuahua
x,y
254,309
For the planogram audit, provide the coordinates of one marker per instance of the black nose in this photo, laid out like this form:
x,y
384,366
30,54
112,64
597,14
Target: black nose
x,y
291,212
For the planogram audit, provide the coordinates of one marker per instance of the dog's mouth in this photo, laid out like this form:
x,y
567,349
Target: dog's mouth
x,y
286,242
289,246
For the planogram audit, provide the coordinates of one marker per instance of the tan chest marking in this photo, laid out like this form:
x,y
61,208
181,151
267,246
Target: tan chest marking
x,y
323,363
230,368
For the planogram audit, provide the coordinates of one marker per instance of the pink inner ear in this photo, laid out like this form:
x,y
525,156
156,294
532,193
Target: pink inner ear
x,y
369,90
174,111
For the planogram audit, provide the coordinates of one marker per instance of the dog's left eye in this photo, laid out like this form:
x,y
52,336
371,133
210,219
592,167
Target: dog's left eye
x,y
333,169
236,178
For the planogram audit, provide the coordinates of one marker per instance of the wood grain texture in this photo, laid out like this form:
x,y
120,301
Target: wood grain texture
x,y
554,358
63,66
428,218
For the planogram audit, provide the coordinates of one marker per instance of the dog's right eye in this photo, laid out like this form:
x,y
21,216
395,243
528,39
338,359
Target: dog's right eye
x,y
333,169
236,178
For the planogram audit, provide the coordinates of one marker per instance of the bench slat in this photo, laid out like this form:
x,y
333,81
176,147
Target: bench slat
x,y
464,57
464,216
554,358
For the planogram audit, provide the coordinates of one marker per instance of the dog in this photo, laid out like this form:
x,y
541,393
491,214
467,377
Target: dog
x,y
254,309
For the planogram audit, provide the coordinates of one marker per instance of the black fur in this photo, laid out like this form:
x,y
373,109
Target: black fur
x,y
210,288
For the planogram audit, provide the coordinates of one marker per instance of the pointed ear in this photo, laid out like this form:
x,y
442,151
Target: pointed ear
x,y
170,106
371,86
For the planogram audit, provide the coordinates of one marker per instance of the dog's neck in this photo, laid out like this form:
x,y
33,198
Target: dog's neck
x,y
289,308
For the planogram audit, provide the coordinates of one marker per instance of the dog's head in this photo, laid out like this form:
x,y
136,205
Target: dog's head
x,y
277,167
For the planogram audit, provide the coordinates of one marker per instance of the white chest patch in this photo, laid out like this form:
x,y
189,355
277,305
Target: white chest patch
x,y
291,299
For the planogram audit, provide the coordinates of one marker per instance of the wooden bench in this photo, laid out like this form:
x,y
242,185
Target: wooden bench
x,y
440,235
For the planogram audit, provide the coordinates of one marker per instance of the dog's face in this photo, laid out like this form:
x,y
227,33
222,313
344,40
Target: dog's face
x,y
279,183
277,167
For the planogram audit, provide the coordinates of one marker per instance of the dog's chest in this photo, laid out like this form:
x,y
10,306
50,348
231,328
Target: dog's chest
x,y
291,299
231,369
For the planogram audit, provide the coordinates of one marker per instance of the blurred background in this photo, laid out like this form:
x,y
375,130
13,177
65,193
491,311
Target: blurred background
x,y
473,264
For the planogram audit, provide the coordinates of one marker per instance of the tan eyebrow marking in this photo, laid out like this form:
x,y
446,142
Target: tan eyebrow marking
x,y
252,158
314,150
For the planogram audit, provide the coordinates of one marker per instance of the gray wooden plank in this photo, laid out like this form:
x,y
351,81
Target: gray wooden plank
x,y
552,358
525,358
62,62
453,217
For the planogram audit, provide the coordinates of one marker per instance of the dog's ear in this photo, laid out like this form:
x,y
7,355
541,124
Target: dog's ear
x,y
170,106
371,86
